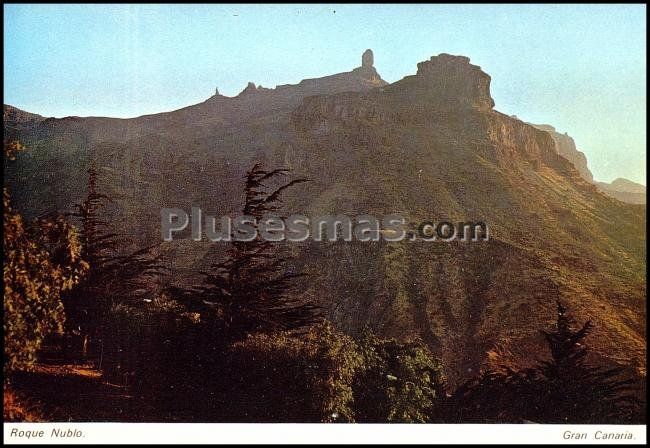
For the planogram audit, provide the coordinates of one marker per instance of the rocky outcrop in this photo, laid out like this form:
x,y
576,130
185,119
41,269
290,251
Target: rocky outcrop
x,y
429,147
449,82
622,189
566,147
251,88
367,59
358,80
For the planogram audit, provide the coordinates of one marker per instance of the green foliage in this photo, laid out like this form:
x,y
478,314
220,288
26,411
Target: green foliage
x,y
40,262
282,377
325,376
397,382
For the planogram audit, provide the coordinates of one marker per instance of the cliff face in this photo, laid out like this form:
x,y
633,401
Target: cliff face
x,y
621,189
450,82
566,147
429,147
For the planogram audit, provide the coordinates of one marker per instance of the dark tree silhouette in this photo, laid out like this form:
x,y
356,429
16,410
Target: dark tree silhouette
x,y
564,389
576,391
248,292
113,277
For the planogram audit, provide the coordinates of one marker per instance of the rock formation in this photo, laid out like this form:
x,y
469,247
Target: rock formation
x,y
429,147
367,59
450,82
566,147
621,189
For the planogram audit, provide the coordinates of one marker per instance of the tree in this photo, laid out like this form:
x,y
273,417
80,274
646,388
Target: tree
x,y
289,377
573,390
249,291
40,262
113,277
396,382
564,389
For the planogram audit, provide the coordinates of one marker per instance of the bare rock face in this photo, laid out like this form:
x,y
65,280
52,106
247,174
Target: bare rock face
x,y
566,147
367,59
452,82
367,70
621,189
251,88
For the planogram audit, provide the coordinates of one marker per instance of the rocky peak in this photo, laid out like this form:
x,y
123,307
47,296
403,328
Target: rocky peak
x,y
367,59
451,82
252,88
566,147
367,70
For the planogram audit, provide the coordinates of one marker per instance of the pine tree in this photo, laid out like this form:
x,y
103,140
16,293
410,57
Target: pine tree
x,y
249,291
113,277
573,390
564,389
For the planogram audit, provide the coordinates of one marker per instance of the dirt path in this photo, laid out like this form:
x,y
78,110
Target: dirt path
x,y
73,392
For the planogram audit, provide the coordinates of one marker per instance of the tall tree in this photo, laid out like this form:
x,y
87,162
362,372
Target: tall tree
x,y
249,291
573,390
113,277
567,388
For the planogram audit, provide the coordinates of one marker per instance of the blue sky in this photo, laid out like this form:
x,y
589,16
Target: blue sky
x,y
581,68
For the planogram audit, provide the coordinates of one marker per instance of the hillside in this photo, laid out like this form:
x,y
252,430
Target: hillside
x,y
428,147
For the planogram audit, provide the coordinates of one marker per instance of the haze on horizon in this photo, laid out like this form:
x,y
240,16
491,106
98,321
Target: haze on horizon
x,y
580,68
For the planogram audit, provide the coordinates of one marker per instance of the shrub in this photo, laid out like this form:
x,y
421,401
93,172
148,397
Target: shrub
x,y
397,382
40,262
286,378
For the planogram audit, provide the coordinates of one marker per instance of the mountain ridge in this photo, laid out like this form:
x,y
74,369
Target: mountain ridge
x,y
428,147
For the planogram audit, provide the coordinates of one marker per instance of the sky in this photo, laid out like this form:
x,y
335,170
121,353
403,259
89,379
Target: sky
x,y
580,68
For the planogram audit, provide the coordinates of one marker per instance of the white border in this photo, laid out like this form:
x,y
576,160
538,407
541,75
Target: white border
x,y
287,433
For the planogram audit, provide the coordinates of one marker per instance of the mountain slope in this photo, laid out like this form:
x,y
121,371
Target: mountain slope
x,y
624,190
429,147
621,189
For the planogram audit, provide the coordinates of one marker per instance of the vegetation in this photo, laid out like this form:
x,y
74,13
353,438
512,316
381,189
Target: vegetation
x,y
41,261
398,382
240,348
563,389
113,277
248,292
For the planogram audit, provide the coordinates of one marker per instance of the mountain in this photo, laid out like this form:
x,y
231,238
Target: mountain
x,y
430,147
622,189
566,147
19,118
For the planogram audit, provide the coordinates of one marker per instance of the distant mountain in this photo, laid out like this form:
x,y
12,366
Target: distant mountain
x,y
566,147
622,189
430,147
